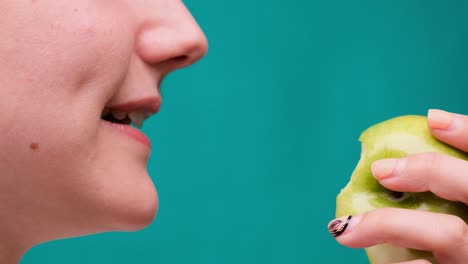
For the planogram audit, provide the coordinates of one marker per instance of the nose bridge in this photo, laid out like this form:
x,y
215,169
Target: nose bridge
x,y
170,33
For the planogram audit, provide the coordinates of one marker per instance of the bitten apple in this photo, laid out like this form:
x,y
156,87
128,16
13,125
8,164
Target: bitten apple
x,y
395,138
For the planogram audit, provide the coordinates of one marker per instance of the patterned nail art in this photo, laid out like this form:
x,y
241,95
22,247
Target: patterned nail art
x,y
338,226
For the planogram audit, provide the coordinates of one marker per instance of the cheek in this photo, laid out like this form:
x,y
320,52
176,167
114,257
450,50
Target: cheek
x,y
59,69
56,76
60,53
54,85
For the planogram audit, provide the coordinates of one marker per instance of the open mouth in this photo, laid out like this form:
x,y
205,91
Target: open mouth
x,y
135,118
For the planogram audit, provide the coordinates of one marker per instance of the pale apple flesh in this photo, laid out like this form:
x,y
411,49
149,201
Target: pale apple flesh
x,y
395,138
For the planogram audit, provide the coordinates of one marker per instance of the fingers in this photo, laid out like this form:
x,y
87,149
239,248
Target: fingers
x,y
407,229
449,127
445,176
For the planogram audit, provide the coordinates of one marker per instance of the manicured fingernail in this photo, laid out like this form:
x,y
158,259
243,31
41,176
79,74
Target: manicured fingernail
x,y
337,226
382,169
439,119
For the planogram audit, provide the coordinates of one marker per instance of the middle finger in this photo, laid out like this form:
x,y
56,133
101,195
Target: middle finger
x,y
445,176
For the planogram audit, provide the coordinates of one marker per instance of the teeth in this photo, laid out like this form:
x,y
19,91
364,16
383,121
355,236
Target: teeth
x,y
105,112
137,118
119,115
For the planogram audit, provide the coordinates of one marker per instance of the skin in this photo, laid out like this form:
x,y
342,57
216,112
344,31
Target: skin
x,y
427,175
64,173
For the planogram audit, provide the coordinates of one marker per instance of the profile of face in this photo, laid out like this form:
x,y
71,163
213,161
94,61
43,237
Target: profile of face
x,y
65,170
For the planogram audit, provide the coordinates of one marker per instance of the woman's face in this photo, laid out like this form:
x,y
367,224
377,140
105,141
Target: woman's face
x,y
63,167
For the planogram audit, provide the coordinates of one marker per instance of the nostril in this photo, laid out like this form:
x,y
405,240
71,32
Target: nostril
x,y
179,62
180,58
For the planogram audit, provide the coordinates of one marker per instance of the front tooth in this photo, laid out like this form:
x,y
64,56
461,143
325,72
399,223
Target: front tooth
x,y
137,118
146,115
119,115
105,112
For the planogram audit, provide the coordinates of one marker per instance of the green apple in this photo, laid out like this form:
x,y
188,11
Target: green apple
x,y
395,138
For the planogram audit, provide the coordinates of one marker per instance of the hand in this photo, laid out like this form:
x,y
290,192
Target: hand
x,y
446,236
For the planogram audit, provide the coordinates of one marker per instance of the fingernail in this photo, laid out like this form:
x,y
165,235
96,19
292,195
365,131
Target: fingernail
x,y
439,119
337,226
382,169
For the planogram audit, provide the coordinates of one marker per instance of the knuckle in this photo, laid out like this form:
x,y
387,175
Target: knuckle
x,y
378,215
426,163
422,168
431,160
383,219
456,236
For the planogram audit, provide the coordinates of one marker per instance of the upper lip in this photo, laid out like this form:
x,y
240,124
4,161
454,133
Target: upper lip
x,y
149,105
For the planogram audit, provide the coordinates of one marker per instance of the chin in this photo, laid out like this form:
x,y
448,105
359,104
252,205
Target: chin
x,y
141,212
126,206
119,189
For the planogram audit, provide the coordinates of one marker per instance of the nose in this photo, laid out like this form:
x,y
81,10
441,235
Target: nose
x,y
171,37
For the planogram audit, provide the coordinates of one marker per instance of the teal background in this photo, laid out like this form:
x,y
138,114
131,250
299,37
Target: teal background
x,y
254,142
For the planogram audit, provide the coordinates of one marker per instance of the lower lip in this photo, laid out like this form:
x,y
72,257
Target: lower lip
x,y
131,132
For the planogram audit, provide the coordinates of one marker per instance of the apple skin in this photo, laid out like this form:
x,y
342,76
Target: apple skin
x,y
395,138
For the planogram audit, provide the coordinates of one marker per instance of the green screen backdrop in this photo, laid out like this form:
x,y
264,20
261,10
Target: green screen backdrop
x,y
255,141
